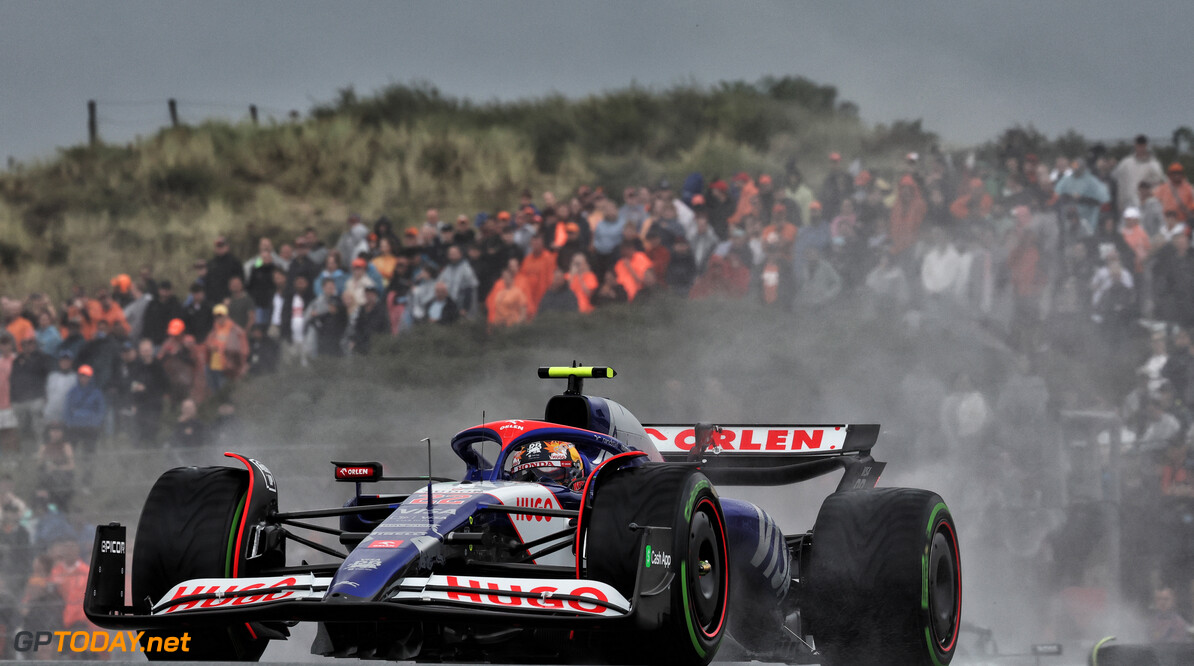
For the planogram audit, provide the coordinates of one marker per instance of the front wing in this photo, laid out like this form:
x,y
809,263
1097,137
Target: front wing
x,y
304,597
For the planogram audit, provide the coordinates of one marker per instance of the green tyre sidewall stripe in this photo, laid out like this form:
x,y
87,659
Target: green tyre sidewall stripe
x,y
690,504
924,582
692,496
236,516
696,643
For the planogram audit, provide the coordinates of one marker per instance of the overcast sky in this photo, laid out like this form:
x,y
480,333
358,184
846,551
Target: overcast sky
x,y
969,69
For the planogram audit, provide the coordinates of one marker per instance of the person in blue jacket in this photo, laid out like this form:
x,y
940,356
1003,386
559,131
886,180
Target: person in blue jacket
x,y
85,409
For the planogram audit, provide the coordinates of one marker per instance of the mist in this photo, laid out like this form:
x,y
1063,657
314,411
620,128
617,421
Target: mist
x,y
727,362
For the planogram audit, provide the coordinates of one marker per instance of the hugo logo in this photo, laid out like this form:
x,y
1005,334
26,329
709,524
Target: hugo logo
x,y
533,503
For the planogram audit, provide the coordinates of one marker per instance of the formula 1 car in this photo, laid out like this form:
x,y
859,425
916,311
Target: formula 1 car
x,y
588,537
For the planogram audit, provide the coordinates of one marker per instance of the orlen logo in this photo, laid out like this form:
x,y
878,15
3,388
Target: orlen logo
x,y
490,594
221,597
511,426
749,439
112,547
533,503
385,544
353,472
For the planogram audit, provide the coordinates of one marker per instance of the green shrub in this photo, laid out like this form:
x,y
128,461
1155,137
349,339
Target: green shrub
x,y
160,200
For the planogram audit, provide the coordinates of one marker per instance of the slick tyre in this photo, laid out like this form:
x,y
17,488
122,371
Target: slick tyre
x,y
188,530
681,498
884,579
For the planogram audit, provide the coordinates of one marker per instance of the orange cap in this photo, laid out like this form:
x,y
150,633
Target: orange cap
x,y
122,282
816,205
503,215
1176,167
86,370
175,327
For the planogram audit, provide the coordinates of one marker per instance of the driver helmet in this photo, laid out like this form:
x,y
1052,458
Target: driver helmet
x,y
551,461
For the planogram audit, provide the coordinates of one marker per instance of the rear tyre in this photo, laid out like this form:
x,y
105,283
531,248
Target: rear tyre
x,y
884,578
1127,655
683,499
188,530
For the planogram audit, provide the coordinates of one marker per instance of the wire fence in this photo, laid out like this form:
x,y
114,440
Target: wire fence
x,y
149,115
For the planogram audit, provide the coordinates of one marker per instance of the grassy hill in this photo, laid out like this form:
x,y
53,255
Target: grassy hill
x,y
95,211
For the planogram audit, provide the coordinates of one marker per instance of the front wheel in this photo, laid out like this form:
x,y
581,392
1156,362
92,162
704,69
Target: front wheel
x,y
684,500
884,578
188,530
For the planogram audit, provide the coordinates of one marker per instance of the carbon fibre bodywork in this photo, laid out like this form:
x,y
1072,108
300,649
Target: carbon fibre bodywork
x,y
455,569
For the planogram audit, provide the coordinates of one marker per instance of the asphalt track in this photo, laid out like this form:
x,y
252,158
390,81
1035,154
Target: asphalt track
x,y
1071,660
297,650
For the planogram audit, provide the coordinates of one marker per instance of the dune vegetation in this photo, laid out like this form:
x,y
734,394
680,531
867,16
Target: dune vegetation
x,y
94,211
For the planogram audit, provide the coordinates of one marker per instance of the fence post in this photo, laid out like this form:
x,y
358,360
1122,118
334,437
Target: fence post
x,y
92,128
173,112
253,113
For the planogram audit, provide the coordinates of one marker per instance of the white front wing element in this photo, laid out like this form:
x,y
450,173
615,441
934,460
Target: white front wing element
x,y
764,439
239,592
551,595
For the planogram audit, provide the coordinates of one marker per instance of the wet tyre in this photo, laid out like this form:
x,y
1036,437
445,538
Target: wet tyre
x,y
1135,655
188,530
883,581
683,499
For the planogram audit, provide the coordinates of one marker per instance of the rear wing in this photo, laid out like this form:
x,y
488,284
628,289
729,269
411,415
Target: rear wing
x,y
776,454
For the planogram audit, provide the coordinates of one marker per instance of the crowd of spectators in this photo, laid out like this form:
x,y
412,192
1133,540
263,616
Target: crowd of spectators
x,y
1084,256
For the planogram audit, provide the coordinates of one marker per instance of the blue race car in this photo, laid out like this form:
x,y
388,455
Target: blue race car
x,y
587,538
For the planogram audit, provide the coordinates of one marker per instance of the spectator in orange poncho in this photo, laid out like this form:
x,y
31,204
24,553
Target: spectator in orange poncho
x,y
227,350
20,328
1177,195
631,268
907,214
1135,236
781,233
748,204
69,576
508,303
974,203
583,282
537,268
385,260
103,307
